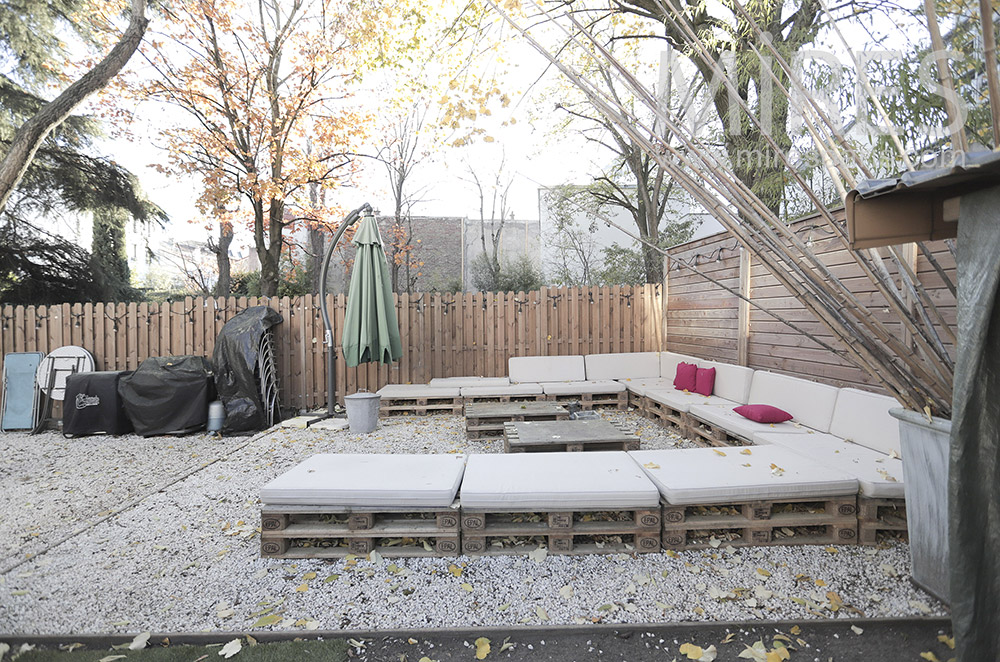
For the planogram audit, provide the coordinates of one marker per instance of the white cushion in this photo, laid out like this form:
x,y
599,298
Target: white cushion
x,y
509,389
732,382
640,386
879,476
546,368
452,382
583,481
682,401
579,388
669,361
331,479
724,417
710,475
864,418
417,391
810,403
626,365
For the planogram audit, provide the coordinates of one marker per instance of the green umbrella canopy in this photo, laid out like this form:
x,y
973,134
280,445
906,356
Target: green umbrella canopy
x,y
371,330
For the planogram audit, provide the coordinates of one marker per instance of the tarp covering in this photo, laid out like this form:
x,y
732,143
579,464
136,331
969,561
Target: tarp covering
x,y
974,483
235,358
371,330
168,394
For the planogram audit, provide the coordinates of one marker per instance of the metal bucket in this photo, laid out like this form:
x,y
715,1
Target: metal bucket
x,y
362,411
216,416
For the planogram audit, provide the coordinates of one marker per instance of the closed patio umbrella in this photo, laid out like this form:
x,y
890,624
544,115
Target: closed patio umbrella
x,y
371,330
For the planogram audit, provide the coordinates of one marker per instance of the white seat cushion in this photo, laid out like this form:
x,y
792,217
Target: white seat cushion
x,y
710,475
417,391
640,386
584,481
732,382
864,418
368,480
452,382
625,365
669,361
546,369
579,388
810,403
879,476
683,401
509,389
724,417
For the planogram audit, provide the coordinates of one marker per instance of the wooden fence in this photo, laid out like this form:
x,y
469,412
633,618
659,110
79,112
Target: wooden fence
x,y
444,335
704,320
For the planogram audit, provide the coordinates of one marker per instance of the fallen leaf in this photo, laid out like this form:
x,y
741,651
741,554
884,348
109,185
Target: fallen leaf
x,y
542,614
230,649
139,642
505,645
693,652
309,576
763,573
835,601
795,629
331,578
455,570
757,652
374,557
106,658
746,451
718,452
566,592
504,607
426,659
729,638
920,606
467,587
947,641
538,555
302,588
482,648
831,550
929,656
651,465
856,630
264,621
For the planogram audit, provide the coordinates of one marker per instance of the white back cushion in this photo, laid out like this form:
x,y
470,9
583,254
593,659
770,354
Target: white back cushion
x,y
810,403
669,361
864,418
546,369
732,382
630,365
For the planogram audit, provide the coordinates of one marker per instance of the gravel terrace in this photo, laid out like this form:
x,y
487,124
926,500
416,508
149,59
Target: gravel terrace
x,y
115,535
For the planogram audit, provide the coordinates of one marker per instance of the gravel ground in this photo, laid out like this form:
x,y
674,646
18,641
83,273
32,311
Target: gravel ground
x,y
106,535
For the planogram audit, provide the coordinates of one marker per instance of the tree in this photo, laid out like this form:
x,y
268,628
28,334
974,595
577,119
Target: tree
x,y
493,214
576,253
265,87
30,136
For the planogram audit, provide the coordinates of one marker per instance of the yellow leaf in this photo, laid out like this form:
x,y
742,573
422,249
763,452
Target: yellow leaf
x,y
467,587
455,570
482,648
309,575
264,621
820,582
729,638
651,465
746,451
835,601
947,641
718,452
929,656
302,588
693,652
763,573
795,629
831,550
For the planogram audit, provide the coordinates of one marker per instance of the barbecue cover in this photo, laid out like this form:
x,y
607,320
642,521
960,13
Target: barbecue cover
x,y
168,394
92,404
235,359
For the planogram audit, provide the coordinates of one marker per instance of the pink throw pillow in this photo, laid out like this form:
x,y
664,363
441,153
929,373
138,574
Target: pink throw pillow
x,y
705,381
686,376
763,413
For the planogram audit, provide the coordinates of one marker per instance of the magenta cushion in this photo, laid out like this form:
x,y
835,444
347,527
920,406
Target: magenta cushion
x,y
704,382
686,376
763,413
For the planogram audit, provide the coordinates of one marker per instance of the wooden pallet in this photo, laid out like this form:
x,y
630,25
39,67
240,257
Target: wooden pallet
x,y
421,406
708,435
536,397
588,401
617,438
667,415
485,420
831,521
878,518
561,531
298,532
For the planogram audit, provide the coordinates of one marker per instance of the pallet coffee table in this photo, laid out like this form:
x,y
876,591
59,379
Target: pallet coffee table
x,y
583,435
486,419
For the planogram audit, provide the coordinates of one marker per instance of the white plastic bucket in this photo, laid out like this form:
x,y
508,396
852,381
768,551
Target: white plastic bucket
x,y
362,411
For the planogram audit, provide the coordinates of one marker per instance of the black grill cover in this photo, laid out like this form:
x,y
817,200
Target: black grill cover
x,y
92,404
235,358
168,394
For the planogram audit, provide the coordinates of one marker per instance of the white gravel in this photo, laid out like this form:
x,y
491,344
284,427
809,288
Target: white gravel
x,y
114,535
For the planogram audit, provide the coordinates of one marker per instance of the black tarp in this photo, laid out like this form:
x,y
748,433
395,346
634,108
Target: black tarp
x,y
93,405
974,482
168,394
235,358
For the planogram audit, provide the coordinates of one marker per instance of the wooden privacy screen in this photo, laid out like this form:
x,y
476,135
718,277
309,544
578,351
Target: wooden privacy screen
x,y
704,320
444,335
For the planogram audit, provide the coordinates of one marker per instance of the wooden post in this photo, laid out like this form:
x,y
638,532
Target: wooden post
x,y
743,314
664,296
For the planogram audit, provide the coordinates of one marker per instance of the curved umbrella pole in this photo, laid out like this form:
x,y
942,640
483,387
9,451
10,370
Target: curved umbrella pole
x,y
331,350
